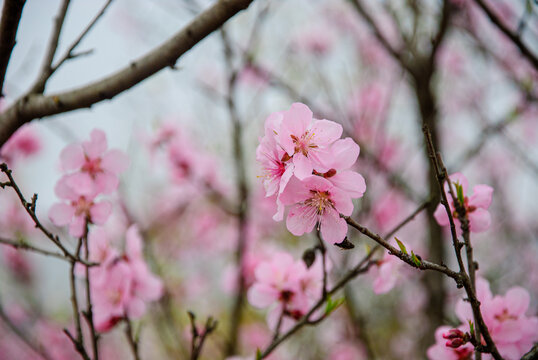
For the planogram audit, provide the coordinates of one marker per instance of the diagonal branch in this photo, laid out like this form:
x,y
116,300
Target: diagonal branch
x,y
69,54
35,106
46,67
9,23
25,246
512,35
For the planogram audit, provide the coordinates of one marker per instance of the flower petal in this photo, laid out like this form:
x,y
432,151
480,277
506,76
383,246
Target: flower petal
x,y
479,220
482,195
333,227
72,157
61,214
349,181
301,219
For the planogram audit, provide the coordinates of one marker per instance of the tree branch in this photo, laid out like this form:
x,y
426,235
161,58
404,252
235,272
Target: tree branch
x,y
35,106
9,23
46,67
513,36
25,246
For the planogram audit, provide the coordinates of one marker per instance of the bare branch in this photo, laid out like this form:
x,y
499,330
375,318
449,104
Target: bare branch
x,y
25,246
512,35
35,106
9,23
69,54
46,67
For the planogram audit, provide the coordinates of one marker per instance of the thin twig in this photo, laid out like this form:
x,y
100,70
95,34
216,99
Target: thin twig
x,y
512,35
46,67
89,306
198,339
133,343
242,193
442,176
25,246
69,54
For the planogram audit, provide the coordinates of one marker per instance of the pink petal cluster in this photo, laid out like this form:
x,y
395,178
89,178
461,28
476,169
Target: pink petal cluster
x,y
93,170
386,274
513,332
122,285
287,286
307,165
92,160
22,144
476,205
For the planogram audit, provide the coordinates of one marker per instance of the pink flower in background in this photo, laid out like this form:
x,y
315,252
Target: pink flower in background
x,y
22,144
317,40
17,263
386,210
111,295
81,207
316,201
122,286
346,351
306,140
93,160
476,205
386,274
253,76
513,332
287,286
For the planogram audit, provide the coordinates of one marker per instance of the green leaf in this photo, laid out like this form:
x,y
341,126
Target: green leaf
x,y
471,326
401,245
415,259
258,354
333,305
459,191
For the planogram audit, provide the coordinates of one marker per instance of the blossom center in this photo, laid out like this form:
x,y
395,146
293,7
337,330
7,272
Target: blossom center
x,y
304,143
82,206
505,315
92,166
320,200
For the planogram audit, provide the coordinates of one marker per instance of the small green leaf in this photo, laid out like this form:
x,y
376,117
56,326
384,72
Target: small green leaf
x,y
258,354
333,305
471,326
459,191
401,245
415,259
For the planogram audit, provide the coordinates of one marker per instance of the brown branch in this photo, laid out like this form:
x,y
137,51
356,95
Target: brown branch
x,y
9,23
512,35
69,54
30,209
46,67
25,246
532,354
78,341
243,197
396,54
464,280
198,339
89,307
35,106
133,342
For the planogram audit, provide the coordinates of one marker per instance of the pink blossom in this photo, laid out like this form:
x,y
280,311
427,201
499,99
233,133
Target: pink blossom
x,y
385,274
287,286
22,144
253,76
316,40
306,140
513,332
345,153
18,263
346,351
81,207
476,205
123,285
316,201
93,159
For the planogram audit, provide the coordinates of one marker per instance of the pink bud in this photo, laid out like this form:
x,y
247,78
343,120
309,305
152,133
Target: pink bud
x,y
453,334
455,343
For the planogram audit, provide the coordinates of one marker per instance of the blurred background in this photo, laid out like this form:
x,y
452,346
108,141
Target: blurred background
x,y
471,86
